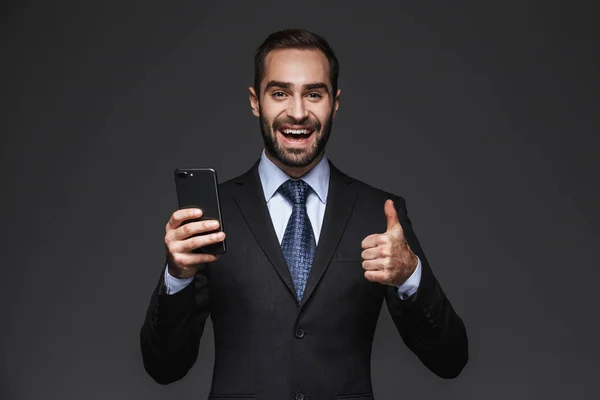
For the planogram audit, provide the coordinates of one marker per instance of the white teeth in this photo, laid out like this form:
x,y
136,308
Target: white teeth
x,y
295,131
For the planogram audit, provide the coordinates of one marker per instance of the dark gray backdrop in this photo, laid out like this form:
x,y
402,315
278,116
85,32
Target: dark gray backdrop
x,y
483,115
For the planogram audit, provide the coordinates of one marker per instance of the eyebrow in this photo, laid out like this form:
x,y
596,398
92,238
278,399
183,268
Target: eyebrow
x,y
287,85
317,85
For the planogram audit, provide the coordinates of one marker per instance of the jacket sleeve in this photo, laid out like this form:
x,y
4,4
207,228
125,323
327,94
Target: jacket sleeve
x,y
426,321
174,324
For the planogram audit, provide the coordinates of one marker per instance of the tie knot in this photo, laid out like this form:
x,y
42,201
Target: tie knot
x,y
295,191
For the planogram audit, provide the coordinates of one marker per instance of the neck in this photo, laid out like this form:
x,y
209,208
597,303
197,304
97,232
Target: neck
x,y
295,172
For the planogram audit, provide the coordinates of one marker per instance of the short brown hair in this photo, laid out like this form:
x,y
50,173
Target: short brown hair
x,y
294,39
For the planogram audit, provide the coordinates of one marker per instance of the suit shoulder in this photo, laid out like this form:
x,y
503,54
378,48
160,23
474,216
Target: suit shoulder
x,y
229,185
371,193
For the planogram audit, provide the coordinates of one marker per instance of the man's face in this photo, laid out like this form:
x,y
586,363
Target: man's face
x,y
296,106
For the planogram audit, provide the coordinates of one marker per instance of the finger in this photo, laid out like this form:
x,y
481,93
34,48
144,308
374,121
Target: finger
x,y
187,260
391,215
372,265
193,228
196,242
374,240
179,216
382,251
376,276
204,258
370,254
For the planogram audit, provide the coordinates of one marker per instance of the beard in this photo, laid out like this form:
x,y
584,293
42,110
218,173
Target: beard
x,y
295,157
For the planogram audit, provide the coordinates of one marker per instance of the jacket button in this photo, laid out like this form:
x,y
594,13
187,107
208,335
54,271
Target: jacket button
x,y
299,396
299,334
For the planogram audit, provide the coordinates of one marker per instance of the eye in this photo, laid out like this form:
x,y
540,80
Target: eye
x,y
278,94
314,96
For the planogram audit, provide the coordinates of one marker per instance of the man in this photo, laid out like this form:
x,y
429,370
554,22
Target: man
x,y
312,253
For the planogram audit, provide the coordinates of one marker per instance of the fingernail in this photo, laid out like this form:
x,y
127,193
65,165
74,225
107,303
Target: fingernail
x,y
213,224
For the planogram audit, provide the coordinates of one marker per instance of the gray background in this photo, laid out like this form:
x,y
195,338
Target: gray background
x,y
483,115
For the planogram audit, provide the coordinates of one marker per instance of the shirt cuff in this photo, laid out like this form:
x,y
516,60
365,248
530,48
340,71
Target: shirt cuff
x,y
410,286
174,285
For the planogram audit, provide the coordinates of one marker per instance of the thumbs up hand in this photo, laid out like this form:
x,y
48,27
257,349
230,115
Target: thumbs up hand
x,y
387,257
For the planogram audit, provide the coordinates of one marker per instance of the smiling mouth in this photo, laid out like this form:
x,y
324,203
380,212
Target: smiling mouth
x,y
296,134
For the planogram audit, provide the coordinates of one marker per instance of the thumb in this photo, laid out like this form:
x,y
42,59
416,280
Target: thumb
x,y
391,215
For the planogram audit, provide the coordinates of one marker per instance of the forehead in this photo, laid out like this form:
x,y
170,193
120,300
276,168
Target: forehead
x,y
297,66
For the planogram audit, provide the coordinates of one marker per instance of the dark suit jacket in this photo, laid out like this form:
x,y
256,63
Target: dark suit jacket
x,y
267,346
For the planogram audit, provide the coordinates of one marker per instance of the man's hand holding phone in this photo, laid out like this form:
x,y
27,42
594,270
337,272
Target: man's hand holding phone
x,y
181,242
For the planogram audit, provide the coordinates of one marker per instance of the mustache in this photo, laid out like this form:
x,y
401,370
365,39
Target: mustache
x,y
308,122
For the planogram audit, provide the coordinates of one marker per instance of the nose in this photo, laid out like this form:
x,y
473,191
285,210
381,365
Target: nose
x,y
297,110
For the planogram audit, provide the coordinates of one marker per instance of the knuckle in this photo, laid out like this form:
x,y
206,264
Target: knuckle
x,y
384,251
200,241
207,225
178,259
171,244
197,242
194,243
186,229
190,244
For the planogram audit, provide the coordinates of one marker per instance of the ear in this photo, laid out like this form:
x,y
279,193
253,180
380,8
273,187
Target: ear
x,y
336,101
254,103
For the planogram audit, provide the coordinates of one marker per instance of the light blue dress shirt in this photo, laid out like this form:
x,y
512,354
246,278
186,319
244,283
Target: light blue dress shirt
x,y
271,177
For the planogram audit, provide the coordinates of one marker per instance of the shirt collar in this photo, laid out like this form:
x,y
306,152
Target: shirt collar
x,y
271,177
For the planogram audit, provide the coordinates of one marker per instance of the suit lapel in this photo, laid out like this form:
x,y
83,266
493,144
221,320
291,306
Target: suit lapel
x,y
340,202
250,199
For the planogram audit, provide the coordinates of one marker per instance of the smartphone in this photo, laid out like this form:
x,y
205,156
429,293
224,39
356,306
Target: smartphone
x,y
198,188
